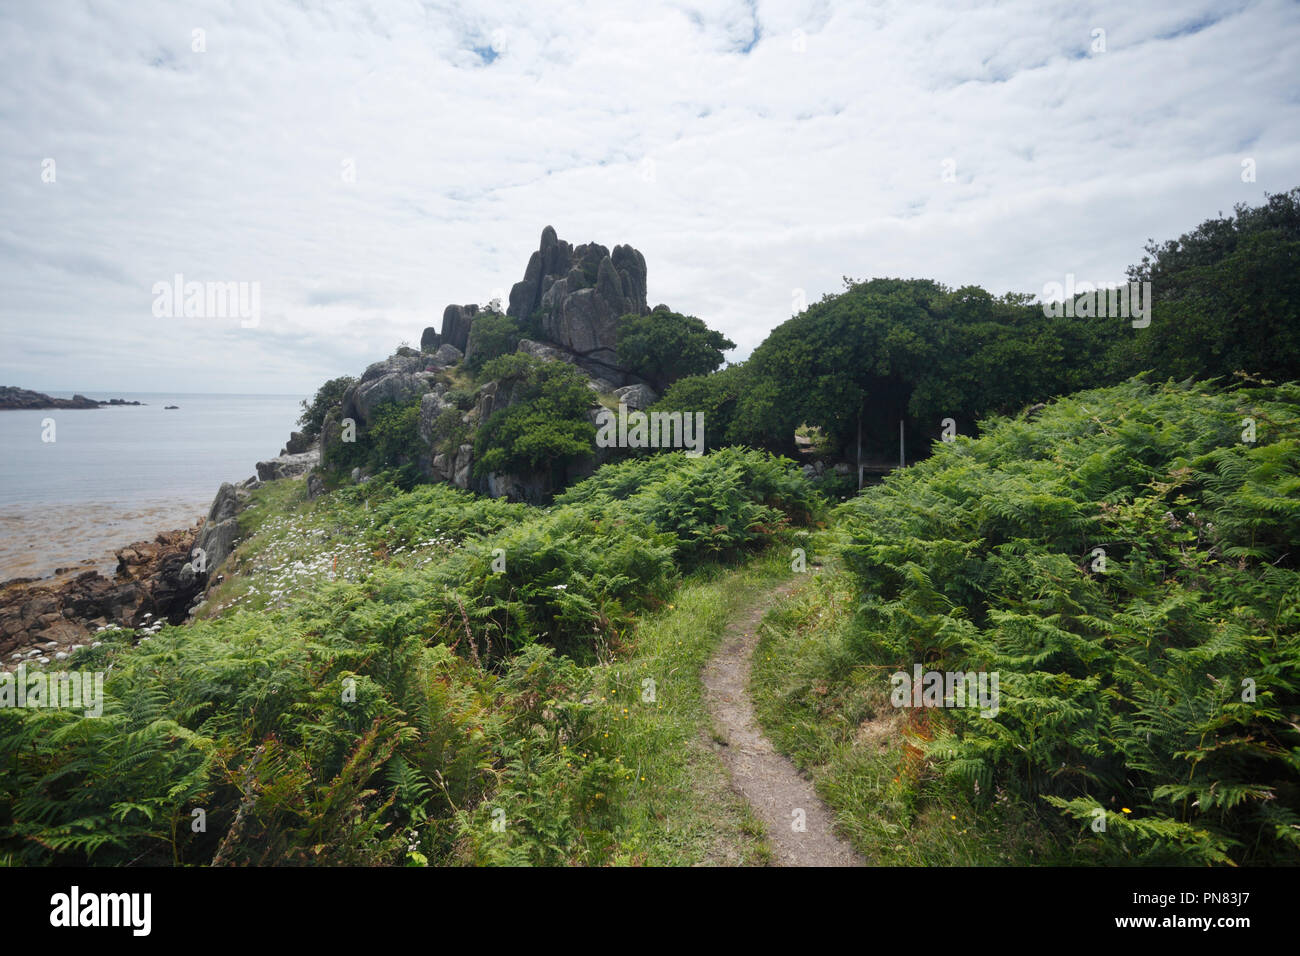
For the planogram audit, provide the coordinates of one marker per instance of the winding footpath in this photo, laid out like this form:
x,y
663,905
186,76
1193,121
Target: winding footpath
x,y
798,823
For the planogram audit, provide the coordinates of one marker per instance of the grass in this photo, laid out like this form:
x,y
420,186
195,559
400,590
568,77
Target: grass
x,y
679,809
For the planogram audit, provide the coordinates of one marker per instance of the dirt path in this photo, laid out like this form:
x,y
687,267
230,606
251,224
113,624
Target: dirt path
x,y
764,777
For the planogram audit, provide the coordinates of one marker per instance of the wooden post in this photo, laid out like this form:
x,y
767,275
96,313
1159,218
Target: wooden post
x,y
859,444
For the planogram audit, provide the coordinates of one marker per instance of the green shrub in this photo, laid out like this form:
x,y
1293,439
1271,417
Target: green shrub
x,y
1125,672
664,346
491,335
391,440
328,397
714,505
544,427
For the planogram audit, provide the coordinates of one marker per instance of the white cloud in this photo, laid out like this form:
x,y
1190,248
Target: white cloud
x,y
774,169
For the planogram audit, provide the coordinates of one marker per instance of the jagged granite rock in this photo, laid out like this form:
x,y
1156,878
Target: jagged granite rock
x,y
580,293
430,340
361,400
331,430
486,403
297,444
432,406
445,355
636,396
393,365
216,539
461,470
456,321
603,377
288,466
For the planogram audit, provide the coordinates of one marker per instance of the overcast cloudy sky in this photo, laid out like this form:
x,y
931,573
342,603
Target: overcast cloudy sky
x,y
747,149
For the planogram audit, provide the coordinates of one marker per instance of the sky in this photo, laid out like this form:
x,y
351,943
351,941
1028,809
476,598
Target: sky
x,y
362,165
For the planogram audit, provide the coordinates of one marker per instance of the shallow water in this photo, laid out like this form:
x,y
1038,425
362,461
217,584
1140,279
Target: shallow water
x,y
120,474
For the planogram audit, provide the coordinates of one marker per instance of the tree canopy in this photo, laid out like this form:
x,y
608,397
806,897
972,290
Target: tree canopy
x,y
664,346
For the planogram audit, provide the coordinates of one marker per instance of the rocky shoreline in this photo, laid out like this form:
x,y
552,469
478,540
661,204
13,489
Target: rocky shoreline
x,y
13,397
49,617
159,581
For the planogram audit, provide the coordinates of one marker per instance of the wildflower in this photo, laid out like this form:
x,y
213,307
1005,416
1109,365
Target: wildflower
x,y
1125,810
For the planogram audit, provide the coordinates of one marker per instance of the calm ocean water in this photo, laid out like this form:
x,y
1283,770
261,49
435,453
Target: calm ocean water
x,y
120,474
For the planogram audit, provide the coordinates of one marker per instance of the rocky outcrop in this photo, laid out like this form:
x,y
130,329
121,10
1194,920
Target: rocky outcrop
x,y
444,356
288,466
580,293
636,397
400,378
297,444
217,537
331,431
430,340
432,407
456,320
602,376
13,397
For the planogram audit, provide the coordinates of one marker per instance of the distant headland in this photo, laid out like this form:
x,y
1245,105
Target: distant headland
x,y
11,396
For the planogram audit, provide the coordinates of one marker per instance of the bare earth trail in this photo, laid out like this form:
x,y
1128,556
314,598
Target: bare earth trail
x,y
768,780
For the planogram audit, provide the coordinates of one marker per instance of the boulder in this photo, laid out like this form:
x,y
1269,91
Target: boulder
x,y
636,397
445,355
315,486
430,340
456,320
288,466
331,431
402,361
363,398
487,401
549,353
532,488
216,539
297,444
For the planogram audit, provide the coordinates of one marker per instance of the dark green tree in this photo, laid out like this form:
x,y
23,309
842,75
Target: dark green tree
x,y
664,346
492,334
716,395
328,396
1227,297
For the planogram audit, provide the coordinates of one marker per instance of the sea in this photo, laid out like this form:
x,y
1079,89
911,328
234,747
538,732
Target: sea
x,y
118,474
